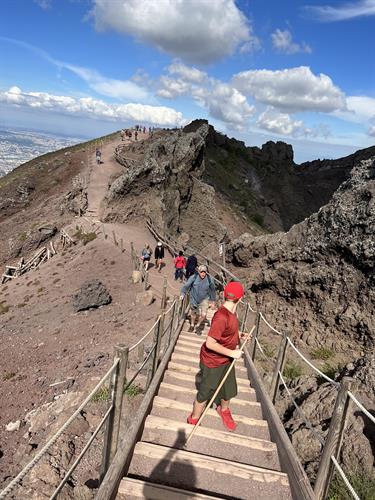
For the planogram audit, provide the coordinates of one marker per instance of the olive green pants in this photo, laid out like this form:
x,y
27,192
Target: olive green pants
x,y
210,379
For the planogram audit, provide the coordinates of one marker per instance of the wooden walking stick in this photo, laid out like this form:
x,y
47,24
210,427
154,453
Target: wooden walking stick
x,y
217,390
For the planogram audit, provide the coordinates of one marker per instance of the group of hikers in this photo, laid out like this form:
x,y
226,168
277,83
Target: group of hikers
x,y
222,342
128,133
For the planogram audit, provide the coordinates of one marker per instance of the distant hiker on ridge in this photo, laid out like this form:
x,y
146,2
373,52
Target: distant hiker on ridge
x,y
98,155
216,355
202,290
159,256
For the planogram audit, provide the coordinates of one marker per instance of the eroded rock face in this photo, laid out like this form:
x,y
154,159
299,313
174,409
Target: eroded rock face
x,y
92,294
320,275
317,403
161,181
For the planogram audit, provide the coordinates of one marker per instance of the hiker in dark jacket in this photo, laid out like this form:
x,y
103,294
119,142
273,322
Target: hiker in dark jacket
x,y
159,256
202,290
191,266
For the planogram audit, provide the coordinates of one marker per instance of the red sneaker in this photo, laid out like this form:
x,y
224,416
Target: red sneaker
x,y
191,420
227,418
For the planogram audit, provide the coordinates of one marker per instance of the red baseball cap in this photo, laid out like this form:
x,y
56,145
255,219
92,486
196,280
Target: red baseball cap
x,y
233,291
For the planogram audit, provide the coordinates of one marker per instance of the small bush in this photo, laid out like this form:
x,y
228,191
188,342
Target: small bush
x,y
102,394
321,353
292,370
8,375
363,484
84,237
4,308
268,350
258,219
330,371
133,390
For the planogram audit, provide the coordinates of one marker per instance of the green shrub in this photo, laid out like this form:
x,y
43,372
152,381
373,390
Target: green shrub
x,y
102,394
8,375
258,219
330,371
4,308
321,353
292,370
84,237
363,484
133,390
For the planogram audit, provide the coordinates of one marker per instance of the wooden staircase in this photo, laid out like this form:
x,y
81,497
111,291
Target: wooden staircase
x,y
216,463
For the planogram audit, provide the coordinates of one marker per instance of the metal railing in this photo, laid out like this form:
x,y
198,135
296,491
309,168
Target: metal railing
x,y
331,445
132,370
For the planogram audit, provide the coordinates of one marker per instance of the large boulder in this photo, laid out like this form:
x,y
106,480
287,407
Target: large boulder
x,y
92,294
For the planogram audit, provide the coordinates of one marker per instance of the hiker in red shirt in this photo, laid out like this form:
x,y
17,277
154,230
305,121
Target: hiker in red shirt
x,y
179,264
215,357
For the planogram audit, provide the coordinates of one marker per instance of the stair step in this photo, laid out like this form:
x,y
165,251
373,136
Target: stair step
x,y
190,380
193,471
191,359
194,369
215,443
186,395
132,489
178,410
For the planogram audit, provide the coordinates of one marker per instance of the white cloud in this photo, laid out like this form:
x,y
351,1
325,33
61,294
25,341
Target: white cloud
x,y
199,31
371,131
280,123
283,124
283,42
92,108
187,73
170,88
44,4
344,11
295,89
225,103
118,89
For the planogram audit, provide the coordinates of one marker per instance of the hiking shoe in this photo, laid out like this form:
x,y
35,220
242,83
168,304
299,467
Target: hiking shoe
x,y
226,417
191,328
192,421
199,330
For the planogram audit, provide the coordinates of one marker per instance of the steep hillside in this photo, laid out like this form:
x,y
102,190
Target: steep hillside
x,y
267,185
319,277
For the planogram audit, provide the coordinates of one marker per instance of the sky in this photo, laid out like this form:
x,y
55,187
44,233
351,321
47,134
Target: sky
x,y
299,71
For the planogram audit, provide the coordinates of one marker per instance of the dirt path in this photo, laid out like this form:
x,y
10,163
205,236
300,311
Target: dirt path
x,y
99,181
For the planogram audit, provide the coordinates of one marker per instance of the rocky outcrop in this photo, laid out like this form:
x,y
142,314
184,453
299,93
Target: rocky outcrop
x,y
321,273
162,184
317,402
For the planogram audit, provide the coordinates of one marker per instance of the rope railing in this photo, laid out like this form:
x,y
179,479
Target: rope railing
x,y
343,394
173,312
55,437
336,384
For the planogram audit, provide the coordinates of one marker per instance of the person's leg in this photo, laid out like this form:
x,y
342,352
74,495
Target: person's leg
x,y
147,262
203,307
176,274
227,392
198,409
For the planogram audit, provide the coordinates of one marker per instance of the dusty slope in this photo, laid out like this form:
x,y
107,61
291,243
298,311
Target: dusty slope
x,y
44,341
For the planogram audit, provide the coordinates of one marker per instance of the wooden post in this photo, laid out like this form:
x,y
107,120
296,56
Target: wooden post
x,y
114,238
243,326
171,322
132,252
122,245
334,437
104,233
141,352
164,296
158,332
113,423
223,254
145,281
278,368
253,344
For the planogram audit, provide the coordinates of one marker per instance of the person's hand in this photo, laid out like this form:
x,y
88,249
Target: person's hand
x,y
212,305
236,354
182,297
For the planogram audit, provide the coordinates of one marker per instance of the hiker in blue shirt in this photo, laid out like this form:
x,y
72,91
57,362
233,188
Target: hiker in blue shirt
x,y
202,290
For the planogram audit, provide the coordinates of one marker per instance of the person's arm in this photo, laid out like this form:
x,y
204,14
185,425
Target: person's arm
x,y
187,286
214,345
212,291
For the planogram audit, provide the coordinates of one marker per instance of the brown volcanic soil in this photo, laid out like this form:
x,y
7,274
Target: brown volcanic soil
x,y
43,341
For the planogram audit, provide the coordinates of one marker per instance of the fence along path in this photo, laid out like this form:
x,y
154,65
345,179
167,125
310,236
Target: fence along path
x,y
331,445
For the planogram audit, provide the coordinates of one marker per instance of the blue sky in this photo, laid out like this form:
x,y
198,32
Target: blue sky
x,y
301,72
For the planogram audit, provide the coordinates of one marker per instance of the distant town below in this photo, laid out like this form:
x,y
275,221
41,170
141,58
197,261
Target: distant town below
x,y
19,146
